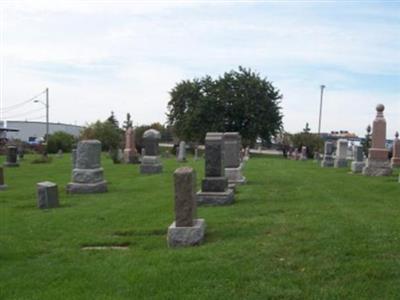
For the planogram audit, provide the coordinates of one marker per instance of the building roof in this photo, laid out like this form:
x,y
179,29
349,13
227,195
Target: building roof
x,y
8,129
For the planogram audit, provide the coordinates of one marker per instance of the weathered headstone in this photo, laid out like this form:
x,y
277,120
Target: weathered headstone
x,y
341,154
396,152
3,186
303,153
317,156
327,160
214,188
47,195
59,153
246,155
87,175
186,230
11,160
151,163
232,161
358,159
378,163
131,155
182,152
296,154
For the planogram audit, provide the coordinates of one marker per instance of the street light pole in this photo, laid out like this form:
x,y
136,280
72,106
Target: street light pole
x,y
47,115
320,109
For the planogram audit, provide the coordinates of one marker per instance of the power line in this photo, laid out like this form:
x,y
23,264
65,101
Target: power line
x,y
25,113
15,106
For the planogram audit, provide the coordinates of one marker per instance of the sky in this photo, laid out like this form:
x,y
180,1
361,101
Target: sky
x,y
125,56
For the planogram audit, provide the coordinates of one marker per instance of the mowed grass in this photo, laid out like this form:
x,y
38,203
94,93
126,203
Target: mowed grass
x,y
296,231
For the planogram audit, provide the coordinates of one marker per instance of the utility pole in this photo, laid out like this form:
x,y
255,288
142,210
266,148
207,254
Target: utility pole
x,y
320,109
47,115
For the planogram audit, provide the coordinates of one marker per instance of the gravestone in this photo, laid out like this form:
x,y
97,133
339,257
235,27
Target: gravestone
x,y
317,156
130,155
3,186
151,163
87,175
296,154
303,153
47,195
182,152
59,153
358,159
341,154
214,188
196,153
232,161
327,160
378,163
246,155
186,230
11,160
395,162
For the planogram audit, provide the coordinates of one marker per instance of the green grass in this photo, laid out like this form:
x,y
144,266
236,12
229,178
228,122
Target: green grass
x,y
296,231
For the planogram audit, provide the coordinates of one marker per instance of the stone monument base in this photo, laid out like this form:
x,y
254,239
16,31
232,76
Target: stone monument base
x,y
327,162
3,187
186,236
150,165
340,163
86,188
10,164
357,166
377,168
235,176
215,198
395,162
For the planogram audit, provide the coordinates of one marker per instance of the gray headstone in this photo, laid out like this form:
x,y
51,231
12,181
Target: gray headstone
x,y
150,162
341,154
151,139
87,174
214,155
12,155
182,151
185,202
327,160
47,193
232,146
358,153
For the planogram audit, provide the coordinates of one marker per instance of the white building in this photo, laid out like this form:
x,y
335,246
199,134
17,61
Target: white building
x,y
31,131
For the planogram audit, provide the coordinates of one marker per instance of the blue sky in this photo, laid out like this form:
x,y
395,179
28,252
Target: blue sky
x,y
124,56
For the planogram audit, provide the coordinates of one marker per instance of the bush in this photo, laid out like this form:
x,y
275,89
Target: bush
x,y
60,140
313,142
106,132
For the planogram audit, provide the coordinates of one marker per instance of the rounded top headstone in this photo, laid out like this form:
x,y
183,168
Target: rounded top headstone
x,y
380,108
152,133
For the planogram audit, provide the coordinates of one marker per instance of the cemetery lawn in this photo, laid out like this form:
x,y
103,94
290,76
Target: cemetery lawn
x,y
296,231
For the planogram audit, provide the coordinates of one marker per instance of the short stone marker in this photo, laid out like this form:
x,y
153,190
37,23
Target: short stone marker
x,y
341,154
3,186
47,195
378,163
214,188
186,230
303,155
87,175
11,160
131,155
395,162
358,159
196,153
59,153
151,163
182,152
327,160
232,161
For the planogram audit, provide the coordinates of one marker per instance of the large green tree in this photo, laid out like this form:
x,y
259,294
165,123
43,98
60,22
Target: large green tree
x,y
237,101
